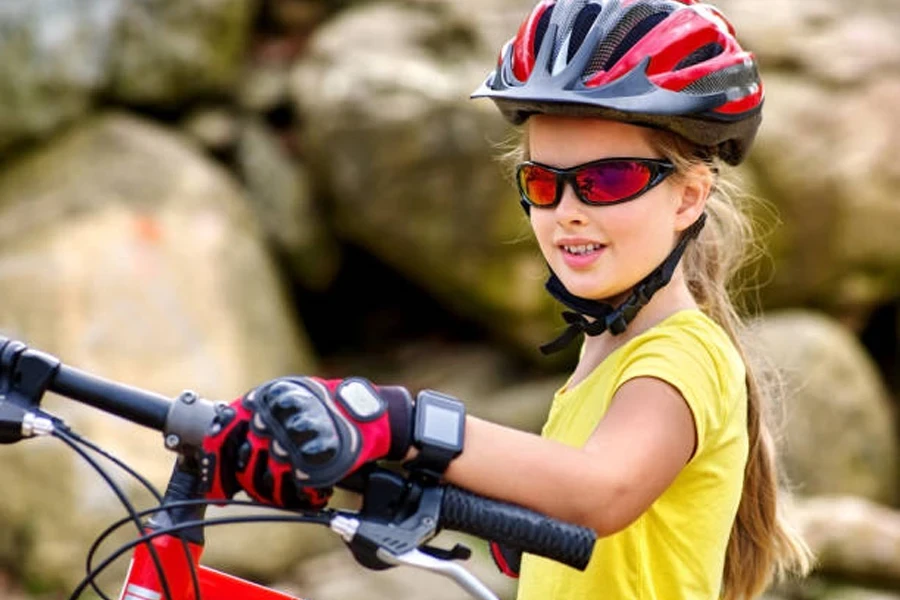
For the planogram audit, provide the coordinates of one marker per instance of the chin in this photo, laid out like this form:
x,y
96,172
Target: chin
x,y
590,291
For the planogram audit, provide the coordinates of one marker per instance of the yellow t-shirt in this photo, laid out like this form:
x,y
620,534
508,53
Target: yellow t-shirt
x,y
676,549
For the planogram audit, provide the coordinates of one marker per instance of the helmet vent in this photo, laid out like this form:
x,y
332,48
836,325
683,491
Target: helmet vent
x,y
633,36
703,53
581,27
541,29
736,76
564,17
611,48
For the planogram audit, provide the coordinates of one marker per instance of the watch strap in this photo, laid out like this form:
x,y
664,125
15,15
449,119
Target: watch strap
x,y
431,461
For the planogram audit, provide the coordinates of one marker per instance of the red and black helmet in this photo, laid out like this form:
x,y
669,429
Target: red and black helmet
x,y
669,64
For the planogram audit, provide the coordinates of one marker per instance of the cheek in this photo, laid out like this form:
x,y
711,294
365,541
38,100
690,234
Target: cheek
x,y
542,225
641,230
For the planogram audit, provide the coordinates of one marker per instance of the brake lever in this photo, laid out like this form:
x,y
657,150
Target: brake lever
x,y
400,521
418,559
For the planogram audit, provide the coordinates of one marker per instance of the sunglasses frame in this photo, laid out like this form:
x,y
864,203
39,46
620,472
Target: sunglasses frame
x,y
660,168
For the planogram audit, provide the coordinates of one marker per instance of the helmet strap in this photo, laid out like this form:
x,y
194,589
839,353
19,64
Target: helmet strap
x,y
607,317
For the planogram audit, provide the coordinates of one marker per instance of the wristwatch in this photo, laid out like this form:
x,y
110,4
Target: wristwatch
x,y
438,432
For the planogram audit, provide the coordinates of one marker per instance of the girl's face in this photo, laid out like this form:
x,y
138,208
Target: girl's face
x,y
625,241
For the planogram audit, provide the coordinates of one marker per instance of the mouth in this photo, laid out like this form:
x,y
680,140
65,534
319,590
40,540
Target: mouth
x,y
581,249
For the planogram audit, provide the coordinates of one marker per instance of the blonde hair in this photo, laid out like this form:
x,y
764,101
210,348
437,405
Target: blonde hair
x,y
762,545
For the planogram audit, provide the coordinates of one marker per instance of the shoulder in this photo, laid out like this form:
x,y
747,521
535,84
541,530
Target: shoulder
x,y
693,354
688,338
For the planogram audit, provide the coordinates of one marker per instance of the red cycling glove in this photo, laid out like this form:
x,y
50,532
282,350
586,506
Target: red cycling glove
x,y
289,440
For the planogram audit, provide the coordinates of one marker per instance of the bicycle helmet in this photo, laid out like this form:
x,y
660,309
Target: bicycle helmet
x,y
669,64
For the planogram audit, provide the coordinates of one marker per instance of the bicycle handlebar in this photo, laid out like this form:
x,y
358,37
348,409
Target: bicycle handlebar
x,y
516,526
27,373
131,403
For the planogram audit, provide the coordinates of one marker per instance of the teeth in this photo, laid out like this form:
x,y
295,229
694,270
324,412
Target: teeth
x,y
582,248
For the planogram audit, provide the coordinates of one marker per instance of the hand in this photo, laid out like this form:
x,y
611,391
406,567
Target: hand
x,y
289,440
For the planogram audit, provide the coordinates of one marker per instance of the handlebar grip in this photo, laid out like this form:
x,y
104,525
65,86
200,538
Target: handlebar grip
x,y
522,528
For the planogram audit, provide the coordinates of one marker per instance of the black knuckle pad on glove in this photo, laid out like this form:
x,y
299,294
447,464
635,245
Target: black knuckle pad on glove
x,y
294,414
305,420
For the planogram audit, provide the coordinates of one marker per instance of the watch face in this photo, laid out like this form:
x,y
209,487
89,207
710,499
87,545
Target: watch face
x,y
441,425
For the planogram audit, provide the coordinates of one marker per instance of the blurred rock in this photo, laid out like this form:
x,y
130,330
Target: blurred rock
x,y
280,192
838,431
53,56
56,55
264,87
169,51
858,593
824,153
215,128
411,163
297,15
817,587
126,253
853,539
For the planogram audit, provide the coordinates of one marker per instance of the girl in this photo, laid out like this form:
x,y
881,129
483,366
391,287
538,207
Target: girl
x,y
657,440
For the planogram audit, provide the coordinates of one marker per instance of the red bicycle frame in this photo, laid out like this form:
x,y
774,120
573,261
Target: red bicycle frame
x,y
142,581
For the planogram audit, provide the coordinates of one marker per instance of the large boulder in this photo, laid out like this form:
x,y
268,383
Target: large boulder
x,y
167,52
835,423
852,538
281,194
126,253
411,164
824,152
56,56
53,56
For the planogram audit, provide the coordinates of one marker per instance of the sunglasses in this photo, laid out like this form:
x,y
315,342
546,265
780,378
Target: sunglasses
x,y
596,183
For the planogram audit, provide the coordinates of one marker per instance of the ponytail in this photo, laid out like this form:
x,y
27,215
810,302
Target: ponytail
x,y
762,544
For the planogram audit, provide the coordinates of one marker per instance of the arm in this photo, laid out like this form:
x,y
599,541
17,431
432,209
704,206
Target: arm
x,y
292,433
637,450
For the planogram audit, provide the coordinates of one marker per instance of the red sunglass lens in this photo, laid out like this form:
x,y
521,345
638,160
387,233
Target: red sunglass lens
x,y
612,181
538,184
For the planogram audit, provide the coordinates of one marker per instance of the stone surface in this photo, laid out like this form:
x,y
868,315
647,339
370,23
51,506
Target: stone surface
x,y
264,87
823,154
216,128
853,539
280,192
167,51
411,164
128,254
53,56
58,56
836,425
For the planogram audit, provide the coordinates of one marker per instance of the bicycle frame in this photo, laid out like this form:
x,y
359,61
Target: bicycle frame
x,y
142,581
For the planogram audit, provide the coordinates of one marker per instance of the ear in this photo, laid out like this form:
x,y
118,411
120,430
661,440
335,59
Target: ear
x,y
696,186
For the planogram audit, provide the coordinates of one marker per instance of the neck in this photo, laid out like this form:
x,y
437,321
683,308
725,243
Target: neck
x,y
672,298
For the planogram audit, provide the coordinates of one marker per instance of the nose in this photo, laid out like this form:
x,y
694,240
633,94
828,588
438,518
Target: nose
x,y
570,209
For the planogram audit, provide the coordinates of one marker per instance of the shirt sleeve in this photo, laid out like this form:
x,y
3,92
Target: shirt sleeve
x,y
689,365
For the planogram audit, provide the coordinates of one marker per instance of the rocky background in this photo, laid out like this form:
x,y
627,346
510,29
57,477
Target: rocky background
x,y
209,193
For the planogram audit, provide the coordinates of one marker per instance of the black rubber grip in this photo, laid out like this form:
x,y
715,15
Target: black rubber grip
x,y
509,524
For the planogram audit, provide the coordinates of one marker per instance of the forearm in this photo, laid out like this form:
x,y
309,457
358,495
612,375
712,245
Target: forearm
x,y
637,450
546,476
